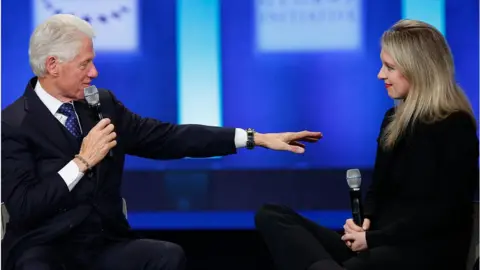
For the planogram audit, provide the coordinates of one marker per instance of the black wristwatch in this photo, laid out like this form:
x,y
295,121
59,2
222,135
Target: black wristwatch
x,y
250,139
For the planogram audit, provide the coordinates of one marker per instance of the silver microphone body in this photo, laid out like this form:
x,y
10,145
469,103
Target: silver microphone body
x,y
354,181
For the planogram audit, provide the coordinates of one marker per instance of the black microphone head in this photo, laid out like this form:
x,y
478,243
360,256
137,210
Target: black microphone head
x,y
354,178
91,95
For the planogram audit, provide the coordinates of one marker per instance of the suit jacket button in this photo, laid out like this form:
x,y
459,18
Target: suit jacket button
x,y
90,174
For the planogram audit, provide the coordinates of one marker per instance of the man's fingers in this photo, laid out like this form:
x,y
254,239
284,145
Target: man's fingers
x,y
286,147
296,149
310,139
111,136
307,136
112,144
310,134
102,124
295,143
108,129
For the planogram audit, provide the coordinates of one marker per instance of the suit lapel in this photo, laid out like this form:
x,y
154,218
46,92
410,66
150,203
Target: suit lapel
x,y
86,116
43,122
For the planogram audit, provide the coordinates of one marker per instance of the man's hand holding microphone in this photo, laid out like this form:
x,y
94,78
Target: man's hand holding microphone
x,y
96,145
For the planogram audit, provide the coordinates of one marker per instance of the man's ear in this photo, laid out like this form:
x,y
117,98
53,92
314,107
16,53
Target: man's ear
x,y
52,66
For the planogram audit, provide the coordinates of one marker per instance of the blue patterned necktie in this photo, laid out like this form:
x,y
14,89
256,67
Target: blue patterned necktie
x,y
72,122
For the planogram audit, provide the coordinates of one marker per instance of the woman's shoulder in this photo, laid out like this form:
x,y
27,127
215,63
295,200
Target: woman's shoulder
x,y
458,125
387,117
457,120
390,112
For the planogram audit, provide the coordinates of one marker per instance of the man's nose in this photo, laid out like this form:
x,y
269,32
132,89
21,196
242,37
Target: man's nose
x,y
93,73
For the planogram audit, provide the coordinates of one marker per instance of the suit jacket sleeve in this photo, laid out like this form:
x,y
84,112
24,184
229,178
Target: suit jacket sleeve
x,y
29,197
151,138
372,193
446,180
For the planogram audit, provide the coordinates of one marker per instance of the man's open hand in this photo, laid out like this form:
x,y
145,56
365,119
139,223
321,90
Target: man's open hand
x,y
287,141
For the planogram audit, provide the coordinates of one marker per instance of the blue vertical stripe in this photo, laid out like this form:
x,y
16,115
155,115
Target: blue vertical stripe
x,y
199,62
429,11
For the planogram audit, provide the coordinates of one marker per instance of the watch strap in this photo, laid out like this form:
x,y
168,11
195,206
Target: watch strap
x,y
250,138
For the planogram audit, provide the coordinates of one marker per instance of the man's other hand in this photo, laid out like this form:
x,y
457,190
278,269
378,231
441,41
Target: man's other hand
x,y
287,141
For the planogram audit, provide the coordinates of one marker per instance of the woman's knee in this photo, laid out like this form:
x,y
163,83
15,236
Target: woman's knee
x,y
175,255
270,214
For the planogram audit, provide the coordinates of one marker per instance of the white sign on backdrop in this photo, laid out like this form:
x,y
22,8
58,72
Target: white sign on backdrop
x,y
115,21
308,25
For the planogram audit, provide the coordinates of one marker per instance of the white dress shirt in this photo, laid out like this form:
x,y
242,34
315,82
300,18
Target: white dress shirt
x,y
71,173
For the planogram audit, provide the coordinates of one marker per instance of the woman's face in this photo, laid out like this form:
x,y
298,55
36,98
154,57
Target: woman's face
x,y
395,83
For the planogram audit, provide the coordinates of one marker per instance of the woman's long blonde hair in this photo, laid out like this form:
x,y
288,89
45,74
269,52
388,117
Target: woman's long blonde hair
x,y
423,57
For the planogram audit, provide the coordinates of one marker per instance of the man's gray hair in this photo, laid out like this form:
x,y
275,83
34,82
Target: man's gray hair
x,y
59,36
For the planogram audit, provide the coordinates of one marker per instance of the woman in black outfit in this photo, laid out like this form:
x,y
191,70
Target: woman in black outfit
x,y
418,209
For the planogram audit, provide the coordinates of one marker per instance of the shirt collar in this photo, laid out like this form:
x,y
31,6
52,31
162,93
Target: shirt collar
x,y
50,102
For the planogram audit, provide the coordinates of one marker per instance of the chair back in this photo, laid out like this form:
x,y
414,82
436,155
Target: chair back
x,y
4,219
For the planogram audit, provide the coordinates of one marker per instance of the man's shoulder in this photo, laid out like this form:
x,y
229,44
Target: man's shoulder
x,y
104,90
14,113
105,95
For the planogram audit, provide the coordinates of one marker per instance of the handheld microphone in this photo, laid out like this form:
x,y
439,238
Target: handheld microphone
x,y
93,99
354,180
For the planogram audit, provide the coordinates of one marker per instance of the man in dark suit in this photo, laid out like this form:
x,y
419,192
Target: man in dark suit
x,y
60,185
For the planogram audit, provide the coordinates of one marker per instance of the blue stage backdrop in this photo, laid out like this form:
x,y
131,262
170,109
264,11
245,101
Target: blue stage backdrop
x,y
274,65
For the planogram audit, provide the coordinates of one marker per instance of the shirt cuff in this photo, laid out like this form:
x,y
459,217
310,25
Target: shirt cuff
x,y
71,174
240,138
